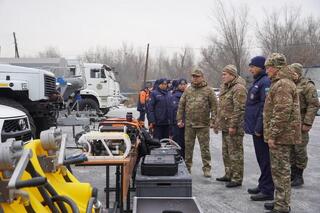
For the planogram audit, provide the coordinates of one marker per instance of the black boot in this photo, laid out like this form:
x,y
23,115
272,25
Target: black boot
x,y
269,206
293,172
223,179
298,180
233,184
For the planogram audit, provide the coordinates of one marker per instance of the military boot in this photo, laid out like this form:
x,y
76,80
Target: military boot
x,y
269,206
277,211
293,172
298,180
224,179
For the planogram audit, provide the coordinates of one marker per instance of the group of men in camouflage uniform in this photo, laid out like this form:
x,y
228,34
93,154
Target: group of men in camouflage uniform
x,y
286,110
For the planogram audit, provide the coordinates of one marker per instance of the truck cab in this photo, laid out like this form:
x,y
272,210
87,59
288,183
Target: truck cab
x,y
32,91
101,90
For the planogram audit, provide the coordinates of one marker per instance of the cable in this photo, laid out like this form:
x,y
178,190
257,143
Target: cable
x,y
71,203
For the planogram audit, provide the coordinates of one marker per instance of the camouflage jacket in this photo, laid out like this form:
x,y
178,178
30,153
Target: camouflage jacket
x,y
309,103
232,100
281,114
199,103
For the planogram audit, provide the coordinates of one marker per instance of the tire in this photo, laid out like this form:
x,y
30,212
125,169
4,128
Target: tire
x,y
44,123
14,104
88,104
105,111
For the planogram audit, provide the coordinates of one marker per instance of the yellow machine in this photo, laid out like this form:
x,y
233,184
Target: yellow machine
x,y
13,181
60,192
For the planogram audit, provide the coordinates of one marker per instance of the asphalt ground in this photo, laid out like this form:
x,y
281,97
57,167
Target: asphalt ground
x,y
213,196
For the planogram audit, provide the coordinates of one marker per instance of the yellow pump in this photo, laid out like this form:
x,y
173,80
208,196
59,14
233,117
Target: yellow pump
x,y
46,185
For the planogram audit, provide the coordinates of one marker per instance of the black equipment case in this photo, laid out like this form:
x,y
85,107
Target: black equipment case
x,y
165,151
159,165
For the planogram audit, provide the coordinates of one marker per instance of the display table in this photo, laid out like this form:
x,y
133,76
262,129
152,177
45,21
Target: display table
x,y
124,170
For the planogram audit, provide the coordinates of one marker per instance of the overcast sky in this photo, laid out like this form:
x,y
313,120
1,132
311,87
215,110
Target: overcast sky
x,y
74,26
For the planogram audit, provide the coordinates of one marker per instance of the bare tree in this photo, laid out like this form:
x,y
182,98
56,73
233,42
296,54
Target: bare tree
x,y
285,31
130,62
181,63
213,59
231,33
49,52
228,43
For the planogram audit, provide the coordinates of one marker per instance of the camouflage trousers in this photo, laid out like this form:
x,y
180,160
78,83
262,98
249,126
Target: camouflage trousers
x,y
232,153
280,169
299,155
202,134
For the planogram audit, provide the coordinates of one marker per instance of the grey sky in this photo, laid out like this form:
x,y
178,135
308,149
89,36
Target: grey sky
x,y
74,26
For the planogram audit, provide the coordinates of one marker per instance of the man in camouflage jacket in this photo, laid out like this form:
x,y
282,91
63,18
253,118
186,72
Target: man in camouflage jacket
x,y
309,105
281,120
199,105
232,101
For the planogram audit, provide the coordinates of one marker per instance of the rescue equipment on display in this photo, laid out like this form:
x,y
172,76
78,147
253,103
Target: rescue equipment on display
x,y
38,180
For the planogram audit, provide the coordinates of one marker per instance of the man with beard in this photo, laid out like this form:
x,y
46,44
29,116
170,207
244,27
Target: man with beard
x,y
199,106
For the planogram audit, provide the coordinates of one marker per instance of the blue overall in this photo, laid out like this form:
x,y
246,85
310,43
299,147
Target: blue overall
x,y
253,123
177,133
159,113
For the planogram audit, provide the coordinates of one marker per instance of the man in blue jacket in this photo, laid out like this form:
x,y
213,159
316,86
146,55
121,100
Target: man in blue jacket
x,y
159,118
253,125
177,132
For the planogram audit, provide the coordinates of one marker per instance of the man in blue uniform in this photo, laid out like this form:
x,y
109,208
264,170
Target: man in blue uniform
x,y
254,126
177,132
159,118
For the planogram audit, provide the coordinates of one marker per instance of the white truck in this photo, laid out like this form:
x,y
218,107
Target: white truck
x,y
14,124
32,91
101,90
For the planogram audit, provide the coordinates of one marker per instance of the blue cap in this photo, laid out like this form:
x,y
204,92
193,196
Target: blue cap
x,y
258,61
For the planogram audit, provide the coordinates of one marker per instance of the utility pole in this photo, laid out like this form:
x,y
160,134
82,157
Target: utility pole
x,y
146,67
16,46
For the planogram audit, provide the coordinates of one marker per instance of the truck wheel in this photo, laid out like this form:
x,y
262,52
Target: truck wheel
x,y
14,104
105,111
44,123
88,104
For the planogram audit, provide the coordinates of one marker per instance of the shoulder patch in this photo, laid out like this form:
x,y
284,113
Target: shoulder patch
x,y
266,90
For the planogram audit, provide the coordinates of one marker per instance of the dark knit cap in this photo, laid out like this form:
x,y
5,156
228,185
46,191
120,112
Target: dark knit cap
x,y
163,80
182,81
258,61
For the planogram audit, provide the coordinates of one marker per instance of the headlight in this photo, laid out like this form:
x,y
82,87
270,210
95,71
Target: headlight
x,y
24,86
22,124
